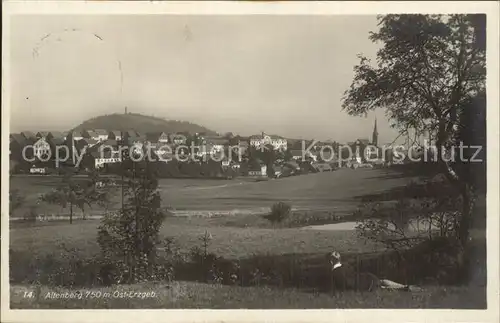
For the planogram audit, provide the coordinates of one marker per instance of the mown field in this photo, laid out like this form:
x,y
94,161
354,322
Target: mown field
x,y
332,191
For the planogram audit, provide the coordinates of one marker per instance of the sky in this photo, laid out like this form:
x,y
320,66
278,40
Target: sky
x,y
283,75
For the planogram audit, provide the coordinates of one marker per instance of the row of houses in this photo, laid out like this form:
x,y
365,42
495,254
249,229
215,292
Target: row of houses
x,y
163,144
44,144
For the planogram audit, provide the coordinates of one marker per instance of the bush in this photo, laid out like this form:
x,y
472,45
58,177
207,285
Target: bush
x,y
279,212
202,265
69,269
32,214
299,219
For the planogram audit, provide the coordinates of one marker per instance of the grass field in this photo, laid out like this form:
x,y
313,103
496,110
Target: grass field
x,y
233,236
237,237
197,295
332,191
232,242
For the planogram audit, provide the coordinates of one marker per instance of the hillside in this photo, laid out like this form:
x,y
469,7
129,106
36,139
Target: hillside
x,y
141,123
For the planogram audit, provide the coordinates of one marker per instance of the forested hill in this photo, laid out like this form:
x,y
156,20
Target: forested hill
x,y
141,123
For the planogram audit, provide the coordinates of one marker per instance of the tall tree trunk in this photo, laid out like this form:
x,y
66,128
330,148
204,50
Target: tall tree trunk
x,y
465,189
468,197
70,213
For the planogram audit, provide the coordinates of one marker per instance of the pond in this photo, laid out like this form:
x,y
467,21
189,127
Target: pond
x,y
413,225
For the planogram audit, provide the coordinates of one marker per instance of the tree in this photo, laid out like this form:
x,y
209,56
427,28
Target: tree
x,y
16,200
129,238
279,212
428,70
76,194
287,156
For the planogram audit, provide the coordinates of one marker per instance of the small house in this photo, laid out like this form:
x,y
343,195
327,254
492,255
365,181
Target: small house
x,y
115,135
157,137
178,139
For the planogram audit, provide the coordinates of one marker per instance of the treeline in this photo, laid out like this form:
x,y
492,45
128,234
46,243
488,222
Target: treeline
x,y
177,169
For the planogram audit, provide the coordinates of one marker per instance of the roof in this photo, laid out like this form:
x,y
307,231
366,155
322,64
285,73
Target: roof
x,y
101,132
21,140
364,141
17,137
28,134
154,136
110,142
42,133
217,140
117,133
88,141
56,134
57,141
130,133
91,133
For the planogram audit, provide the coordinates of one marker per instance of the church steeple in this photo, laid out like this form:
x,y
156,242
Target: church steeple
x,y
375,134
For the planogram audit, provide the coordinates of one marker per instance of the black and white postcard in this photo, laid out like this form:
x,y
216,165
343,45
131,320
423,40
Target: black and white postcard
x,y
330,160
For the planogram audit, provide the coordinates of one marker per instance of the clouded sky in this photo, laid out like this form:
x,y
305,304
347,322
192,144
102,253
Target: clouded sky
x,y
279,74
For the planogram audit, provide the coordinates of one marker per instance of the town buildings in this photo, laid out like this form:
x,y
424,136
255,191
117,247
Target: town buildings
x,y
228,150
277,142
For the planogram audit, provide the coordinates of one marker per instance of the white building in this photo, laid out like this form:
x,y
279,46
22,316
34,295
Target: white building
x,y
41,148
277,142
100,162
97,134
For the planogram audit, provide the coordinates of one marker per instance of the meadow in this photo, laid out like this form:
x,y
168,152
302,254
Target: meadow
x,y
336,191
240,236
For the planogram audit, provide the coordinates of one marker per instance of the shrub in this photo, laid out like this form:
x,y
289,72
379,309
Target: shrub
x,y
16,200
279,212
299,219
66,269
32,214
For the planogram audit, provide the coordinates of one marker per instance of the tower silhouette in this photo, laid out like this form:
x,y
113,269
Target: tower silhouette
x,y
375,134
